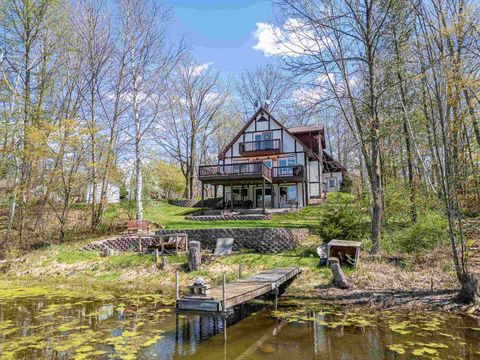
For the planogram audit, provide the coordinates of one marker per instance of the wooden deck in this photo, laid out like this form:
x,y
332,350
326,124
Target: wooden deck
x,y
238,292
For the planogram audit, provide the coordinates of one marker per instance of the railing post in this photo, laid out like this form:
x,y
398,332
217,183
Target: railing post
x,y
176,286
203,195
263,194
224,304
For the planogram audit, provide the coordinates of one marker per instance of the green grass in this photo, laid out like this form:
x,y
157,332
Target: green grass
x,y
173,217
67,255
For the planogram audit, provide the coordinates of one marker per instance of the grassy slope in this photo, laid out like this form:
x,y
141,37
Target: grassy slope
x,y
173,217
66,265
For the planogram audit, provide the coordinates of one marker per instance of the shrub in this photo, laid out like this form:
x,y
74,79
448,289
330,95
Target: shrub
x,y
342,219
346,185
428,231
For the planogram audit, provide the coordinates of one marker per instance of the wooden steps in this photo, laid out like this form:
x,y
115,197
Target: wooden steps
x,y
238,292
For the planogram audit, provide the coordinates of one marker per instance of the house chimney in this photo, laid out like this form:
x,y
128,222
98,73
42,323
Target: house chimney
x,y
267,104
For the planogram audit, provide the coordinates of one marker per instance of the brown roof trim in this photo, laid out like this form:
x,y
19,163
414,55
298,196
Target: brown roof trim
x,y
305,147
330,161
305,129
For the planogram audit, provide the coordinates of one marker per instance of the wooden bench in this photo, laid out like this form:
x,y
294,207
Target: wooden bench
x,y
135,226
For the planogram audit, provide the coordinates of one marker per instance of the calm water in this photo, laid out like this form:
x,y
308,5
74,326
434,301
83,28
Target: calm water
x,y
52,324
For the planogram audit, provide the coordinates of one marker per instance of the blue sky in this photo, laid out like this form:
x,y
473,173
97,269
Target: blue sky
x,y
222,31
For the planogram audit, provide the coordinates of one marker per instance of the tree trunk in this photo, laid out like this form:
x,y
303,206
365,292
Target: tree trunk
x,y
138,173
339,278
470,292
377,213
194,255
138,150
192,164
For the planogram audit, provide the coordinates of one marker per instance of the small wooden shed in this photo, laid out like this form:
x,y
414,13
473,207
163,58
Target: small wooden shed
x,y
345,251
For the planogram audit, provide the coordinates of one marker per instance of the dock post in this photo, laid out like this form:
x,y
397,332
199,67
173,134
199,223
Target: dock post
x,y
276,298
176,286
224,318
239,271
224,305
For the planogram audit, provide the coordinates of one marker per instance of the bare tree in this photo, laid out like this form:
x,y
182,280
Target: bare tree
x,y
446,76
337,50
93,40
263,86
150,60
192,116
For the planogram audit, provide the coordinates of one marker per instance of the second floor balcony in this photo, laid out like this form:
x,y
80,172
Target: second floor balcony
x,y
260,147
235,173
252,172
288,173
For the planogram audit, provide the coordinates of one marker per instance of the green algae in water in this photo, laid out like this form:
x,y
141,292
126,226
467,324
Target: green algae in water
x,y
70,324
75,324
443,332
397,348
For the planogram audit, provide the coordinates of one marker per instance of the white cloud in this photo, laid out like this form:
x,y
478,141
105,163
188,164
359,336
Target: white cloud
x,y
294,38
315,92
198,69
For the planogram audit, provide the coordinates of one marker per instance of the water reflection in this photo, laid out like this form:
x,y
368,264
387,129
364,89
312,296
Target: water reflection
x,y
71,326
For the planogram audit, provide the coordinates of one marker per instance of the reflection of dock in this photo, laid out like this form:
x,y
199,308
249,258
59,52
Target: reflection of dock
x,y
224,297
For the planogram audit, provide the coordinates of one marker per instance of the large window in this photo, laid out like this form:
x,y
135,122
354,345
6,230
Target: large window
x,y
286,166
261,140
288,194
237,197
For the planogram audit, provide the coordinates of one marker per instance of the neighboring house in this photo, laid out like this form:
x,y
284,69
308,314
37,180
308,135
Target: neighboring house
x,y
267,165
113,193
6,186
333,173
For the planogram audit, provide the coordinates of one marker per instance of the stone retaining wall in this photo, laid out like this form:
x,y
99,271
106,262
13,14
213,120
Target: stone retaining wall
x,y
228,217
122,243
260,240
208,202
182,202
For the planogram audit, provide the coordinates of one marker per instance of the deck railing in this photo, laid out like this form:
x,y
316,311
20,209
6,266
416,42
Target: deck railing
x,y
294,171
260,145
255,169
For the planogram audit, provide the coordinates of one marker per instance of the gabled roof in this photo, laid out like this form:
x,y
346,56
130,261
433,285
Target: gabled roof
x,y
252,119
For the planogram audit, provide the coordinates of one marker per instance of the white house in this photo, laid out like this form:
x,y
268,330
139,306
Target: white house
x,y
270,166
113,193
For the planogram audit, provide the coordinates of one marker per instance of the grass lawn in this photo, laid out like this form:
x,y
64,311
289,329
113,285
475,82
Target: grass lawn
x,y
173,217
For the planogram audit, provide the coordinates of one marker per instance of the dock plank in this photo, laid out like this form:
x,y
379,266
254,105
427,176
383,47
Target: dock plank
x,y
238,292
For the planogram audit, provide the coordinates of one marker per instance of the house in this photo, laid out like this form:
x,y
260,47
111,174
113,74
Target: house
x,y
269,166
6,186
113,193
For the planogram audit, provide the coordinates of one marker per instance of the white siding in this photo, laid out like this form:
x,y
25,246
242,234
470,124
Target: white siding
x,y
314,190
313,170
337,181
113,193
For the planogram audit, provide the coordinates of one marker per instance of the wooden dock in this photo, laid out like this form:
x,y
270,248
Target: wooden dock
x,y
222,298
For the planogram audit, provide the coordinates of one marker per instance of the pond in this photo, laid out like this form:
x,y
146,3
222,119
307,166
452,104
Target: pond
x,y
37,323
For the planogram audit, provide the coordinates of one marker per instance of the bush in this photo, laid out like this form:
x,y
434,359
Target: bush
x,y
347,184
425,234
342,219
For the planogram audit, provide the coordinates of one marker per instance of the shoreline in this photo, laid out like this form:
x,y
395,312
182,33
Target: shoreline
x,y
416,283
